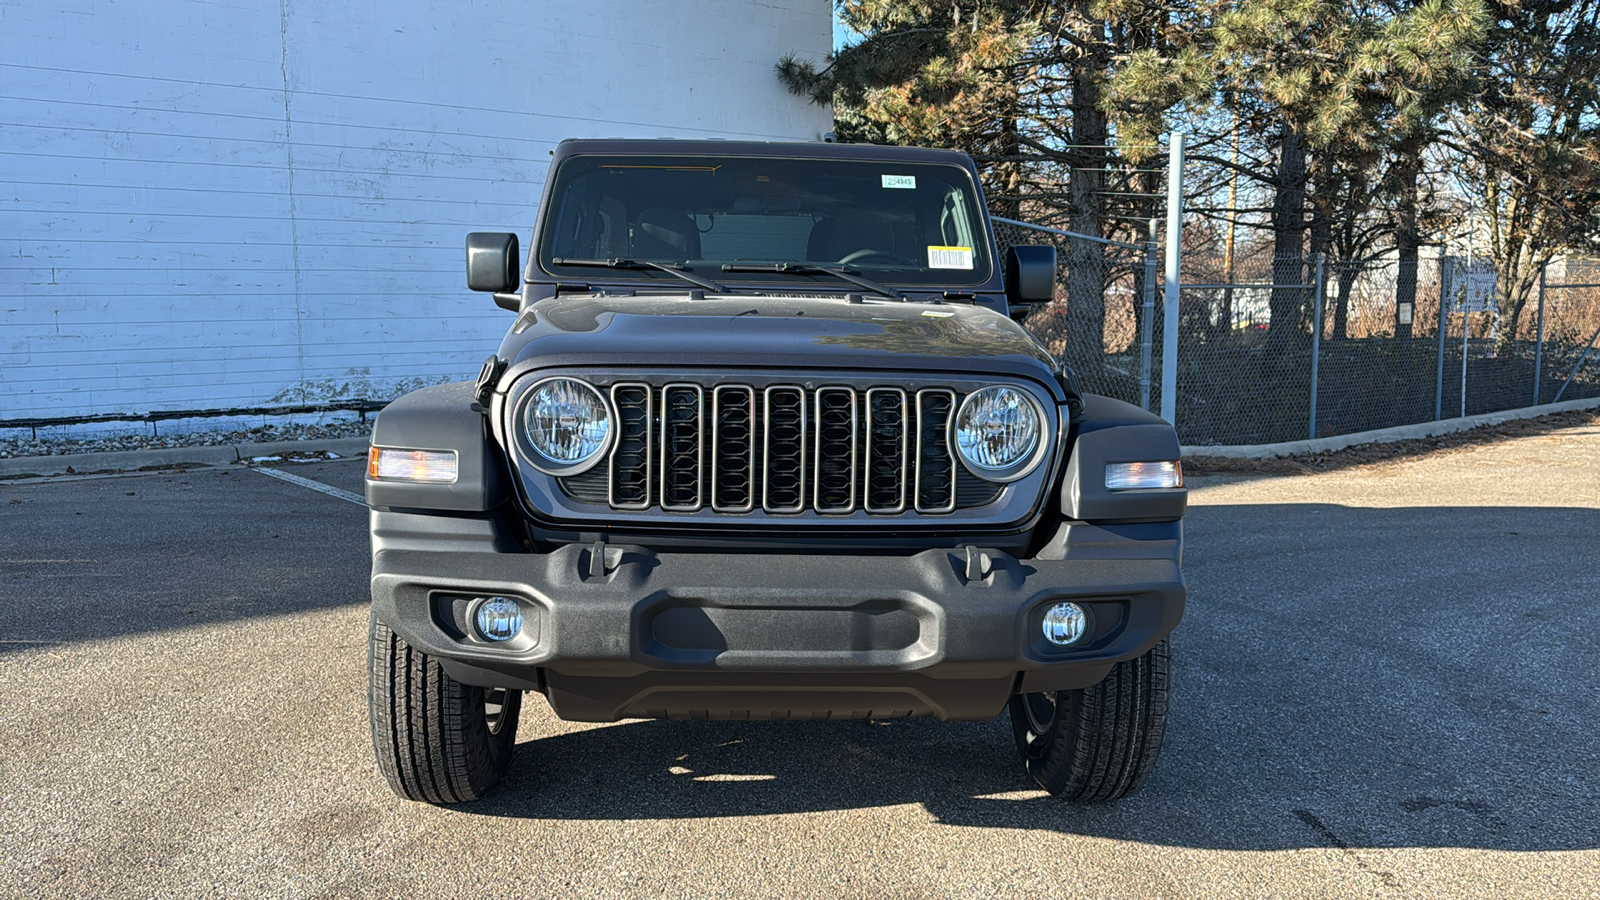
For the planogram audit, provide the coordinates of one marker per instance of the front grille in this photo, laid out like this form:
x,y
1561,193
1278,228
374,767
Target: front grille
x,y
733,449
783,449
629,464
936,471
887,443
682,457
835,480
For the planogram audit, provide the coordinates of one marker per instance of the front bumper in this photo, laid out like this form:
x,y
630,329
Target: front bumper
x,y
618,631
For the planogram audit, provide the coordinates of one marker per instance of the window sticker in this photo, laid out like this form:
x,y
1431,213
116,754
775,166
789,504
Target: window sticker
x,y
900,181
949,257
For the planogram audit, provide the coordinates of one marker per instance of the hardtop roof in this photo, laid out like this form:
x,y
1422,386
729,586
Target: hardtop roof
x,y
790,149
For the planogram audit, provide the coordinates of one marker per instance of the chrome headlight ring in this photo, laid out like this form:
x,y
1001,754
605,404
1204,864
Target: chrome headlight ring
x,y
563,425
1020,403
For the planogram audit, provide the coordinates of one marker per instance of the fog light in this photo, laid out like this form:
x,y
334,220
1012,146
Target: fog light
x,y
1065,623
498,619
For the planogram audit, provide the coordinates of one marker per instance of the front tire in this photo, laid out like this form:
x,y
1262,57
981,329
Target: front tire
x,y
1098,743
437,740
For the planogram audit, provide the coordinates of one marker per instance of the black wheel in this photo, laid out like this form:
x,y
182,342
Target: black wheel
x,y
1098,743
436,739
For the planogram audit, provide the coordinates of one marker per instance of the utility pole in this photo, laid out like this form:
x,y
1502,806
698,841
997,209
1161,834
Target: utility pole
x,y
1466,307
1316,344
1169,323
1233,227
1447,268
1152,258
1538,353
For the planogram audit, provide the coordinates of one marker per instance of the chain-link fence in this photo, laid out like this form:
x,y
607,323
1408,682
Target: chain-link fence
x,y
1377,362
1569,345
1107,288
1238,381
1251,369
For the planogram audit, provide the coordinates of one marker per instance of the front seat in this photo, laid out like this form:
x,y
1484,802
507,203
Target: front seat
x,y
664,233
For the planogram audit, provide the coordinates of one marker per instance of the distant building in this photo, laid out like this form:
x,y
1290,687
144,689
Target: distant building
x,y
216,206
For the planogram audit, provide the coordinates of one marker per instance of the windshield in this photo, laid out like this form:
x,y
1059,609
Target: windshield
x,y
916,223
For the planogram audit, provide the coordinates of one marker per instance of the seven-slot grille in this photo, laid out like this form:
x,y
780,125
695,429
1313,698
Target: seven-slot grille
x,y
782,449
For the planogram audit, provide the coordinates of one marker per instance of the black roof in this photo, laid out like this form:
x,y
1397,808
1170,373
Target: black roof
x,y
792,149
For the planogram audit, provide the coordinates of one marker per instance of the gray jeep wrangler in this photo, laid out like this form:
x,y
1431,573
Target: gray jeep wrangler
x,y
765,442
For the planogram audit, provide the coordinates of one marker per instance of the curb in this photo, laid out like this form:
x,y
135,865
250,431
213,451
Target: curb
x,y
345,447
143,460
1385,435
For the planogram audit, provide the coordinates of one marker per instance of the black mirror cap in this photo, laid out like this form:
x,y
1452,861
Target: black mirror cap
x,y
493,259
1031,274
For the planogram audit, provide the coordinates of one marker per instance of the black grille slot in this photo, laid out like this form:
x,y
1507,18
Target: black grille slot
x,y
733,455
972,491
681,457
630,461
590,487
785,450
936,470
835,477
886,450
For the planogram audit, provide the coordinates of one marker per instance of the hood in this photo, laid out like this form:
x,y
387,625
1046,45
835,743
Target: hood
x,y
767,331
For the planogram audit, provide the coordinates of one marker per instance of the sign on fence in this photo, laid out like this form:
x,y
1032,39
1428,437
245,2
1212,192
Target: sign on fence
x,y
1477,293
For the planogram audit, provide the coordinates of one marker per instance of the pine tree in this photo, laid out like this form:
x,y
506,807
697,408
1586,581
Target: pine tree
x,y
1037,93
1532,130
1338,82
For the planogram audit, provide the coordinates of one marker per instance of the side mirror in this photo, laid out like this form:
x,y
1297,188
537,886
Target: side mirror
x,y
493,262
1030,274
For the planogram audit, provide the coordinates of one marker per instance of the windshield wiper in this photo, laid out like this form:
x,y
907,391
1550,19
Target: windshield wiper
x,y
799,268
669,268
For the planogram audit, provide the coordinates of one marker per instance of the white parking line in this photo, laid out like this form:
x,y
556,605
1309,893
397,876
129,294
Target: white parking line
x,y
317,486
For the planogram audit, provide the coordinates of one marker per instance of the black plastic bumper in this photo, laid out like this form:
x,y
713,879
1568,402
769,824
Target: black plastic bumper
x,y
616,632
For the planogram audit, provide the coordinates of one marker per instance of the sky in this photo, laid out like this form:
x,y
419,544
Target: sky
x,y
842,36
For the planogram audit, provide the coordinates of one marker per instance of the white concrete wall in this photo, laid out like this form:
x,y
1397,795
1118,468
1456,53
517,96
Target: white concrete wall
x,y
208,205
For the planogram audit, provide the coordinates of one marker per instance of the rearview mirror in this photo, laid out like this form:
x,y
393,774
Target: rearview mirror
x,y
1030,274
492,262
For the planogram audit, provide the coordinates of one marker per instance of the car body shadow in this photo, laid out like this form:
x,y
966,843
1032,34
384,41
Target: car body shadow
x,y
969,775
1344,677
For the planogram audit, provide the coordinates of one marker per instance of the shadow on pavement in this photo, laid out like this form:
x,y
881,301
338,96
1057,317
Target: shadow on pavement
x,y
1234,796
1417,677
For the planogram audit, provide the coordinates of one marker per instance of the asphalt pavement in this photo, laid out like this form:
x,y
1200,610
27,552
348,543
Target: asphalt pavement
x,y
1385,687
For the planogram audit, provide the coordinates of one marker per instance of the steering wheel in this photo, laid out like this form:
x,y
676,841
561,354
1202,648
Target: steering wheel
x,y
869,253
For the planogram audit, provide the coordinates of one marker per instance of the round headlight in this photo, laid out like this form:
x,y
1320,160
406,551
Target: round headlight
x,y
567,424
999,433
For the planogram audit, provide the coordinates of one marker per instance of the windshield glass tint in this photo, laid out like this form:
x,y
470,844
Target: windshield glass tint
x,y
886,220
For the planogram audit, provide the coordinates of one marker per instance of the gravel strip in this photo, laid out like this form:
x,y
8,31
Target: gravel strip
x,y
1396,451
16,448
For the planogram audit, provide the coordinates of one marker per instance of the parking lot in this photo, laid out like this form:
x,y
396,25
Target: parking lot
x,y
1385,686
